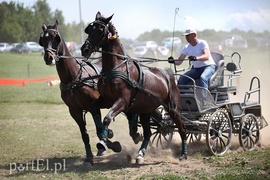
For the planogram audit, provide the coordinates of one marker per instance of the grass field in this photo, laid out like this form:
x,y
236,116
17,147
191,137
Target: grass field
x,y
39,139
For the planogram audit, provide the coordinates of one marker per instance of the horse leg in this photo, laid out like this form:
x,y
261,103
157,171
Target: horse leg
x,y
177,120
78,117
145,122
133,127
117,108
184,143
96,114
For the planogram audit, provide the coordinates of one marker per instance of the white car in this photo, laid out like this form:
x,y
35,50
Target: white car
x,y
4,47
152,45
139,51
172,41
34,47
163,50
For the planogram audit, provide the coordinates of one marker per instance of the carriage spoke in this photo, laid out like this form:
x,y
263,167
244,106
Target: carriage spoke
x,y
249,132
219,132
154,135
222,143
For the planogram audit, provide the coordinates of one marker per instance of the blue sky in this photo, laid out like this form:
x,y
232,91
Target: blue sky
x,y
133,18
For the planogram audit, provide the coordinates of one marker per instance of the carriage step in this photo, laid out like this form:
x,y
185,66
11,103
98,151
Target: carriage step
x,y
188,123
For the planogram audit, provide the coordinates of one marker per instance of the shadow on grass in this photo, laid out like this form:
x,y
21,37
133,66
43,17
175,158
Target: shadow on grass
x,y
62,165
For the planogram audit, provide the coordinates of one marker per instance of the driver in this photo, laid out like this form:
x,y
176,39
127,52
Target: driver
x,y
198,53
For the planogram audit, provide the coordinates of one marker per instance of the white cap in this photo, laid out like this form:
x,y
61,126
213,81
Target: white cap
x,y
189,31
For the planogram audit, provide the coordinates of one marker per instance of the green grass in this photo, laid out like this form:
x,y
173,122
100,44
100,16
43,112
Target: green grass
x,y
35,125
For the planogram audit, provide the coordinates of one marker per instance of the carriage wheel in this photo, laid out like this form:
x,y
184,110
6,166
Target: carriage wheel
x,y
249,132
162,131
193,137
162,137
219,132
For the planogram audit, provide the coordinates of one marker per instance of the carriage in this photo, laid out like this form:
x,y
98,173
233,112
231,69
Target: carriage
x,y
126,87
152,93
211,114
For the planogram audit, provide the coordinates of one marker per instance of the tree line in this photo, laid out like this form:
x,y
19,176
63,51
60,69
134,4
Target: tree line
x,y
21,24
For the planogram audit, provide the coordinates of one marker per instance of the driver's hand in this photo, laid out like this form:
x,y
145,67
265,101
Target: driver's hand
x,y
170,59
192,58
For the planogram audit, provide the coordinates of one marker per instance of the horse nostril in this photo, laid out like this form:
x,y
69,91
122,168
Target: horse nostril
x,y
48,59
86,51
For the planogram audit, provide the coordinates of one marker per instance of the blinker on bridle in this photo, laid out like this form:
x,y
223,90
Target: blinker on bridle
x,y
105,34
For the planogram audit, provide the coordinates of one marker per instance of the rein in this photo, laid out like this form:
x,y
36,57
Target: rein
x,y
113,73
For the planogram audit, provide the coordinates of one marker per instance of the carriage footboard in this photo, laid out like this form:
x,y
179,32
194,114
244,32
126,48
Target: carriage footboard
x,y
262,122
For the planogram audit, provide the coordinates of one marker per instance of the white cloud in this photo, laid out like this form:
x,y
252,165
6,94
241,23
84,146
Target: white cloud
x,y
191,22
258,20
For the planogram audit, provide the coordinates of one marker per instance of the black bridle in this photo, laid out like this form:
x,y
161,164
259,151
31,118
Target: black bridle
x,y
104,36
50,48
54,51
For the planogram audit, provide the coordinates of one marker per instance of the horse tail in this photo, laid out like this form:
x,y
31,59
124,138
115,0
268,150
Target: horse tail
x,y
174,93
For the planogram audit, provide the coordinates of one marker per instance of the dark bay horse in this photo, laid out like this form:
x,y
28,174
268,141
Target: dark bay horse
x,y
128,87
78,84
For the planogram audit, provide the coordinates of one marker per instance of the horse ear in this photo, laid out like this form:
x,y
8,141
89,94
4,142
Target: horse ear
x,y
98,15
108,19
44,27
56,24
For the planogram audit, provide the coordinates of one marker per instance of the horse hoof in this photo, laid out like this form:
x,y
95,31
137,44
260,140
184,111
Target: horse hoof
x,y
101,152
137,138
110,134
129,158
101,146
88,162
183,157
139,159
115,146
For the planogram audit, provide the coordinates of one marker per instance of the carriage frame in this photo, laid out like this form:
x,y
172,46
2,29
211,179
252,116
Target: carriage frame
x,y
211,113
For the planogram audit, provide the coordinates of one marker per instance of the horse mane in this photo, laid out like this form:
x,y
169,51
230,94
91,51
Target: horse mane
x,y
112,29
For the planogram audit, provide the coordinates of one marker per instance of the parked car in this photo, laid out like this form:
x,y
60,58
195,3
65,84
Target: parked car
x,y
34,47
172,41
163,50
77,52
152,45
139,51
4,47
72,46
215,47
235,42
20,48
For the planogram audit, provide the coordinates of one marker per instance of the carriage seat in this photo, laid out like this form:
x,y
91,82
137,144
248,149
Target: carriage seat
x,y
217,78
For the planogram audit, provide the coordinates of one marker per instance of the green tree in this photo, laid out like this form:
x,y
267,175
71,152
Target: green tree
x,y
10,28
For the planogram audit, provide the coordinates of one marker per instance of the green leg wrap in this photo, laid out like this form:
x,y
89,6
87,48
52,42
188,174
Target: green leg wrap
x,y
99,125
184,147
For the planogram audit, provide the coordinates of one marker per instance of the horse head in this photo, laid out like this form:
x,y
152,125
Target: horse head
x,y
99,32
50,40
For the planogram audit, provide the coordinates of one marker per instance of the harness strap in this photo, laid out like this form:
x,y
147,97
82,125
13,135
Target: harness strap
x,y
79,81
